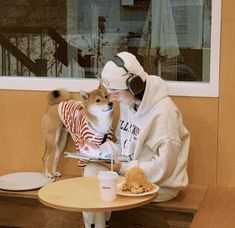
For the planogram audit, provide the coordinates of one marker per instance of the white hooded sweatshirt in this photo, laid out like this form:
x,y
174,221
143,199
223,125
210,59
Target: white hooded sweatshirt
x,y
154,137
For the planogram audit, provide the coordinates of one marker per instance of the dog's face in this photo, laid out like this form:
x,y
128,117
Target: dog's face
x,y
97,102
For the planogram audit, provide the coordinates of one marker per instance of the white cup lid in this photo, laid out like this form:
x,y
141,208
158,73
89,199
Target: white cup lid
x,y
107,175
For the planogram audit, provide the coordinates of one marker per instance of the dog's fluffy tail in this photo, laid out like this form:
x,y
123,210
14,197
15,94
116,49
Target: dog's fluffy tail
x,y
56,96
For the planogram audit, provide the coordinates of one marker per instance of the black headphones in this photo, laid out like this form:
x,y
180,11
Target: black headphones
x,y
134,82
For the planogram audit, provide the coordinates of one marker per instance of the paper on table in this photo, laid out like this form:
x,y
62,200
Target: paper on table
x,y
83,156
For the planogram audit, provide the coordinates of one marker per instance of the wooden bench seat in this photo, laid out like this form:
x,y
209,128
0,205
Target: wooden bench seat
x,y
179,211
188,200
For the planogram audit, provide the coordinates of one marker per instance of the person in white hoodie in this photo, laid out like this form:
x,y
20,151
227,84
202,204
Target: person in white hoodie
x,y
150,132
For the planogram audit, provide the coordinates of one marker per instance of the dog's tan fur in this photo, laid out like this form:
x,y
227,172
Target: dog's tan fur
x,y
136,181
55,132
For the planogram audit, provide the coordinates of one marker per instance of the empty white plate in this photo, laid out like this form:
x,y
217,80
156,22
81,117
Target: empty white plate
x,y
22,181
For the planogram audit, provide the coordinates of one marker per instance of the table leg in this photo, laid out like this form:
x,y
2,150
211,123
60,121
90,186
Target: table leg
x,y
100,220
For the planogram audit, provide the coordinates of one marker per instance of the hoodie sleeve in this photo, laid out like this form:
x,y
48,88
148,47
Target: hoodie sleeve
x,y
162,164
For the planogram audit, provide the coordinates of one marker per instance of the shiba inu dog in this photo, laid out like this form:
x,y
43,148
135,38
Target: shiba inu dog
x,y
87,119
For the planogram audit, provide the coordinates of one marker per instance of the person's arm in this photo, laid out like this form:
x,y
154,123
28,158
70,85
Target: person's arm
x,y
160,167
162,164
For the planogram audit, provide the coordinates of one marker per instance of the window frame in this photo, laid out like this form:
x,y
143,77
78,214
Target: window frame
x,y
176,88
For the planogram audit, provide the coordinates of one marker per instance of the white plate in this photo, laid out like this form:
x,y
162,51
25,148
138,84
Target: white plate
x,y
22,181
128,193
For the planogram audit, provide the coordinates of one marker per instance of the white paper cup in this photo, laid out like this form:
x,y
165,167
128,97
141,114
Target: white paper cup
x,y
107,185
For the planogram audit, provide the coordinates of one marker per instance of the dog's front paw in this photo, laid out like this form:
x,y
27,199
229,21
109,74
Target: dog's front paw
x,y
57,174
48,175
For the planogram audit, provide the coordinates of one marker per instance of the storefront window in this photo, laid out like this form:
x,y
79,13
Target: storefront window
x,y
59,39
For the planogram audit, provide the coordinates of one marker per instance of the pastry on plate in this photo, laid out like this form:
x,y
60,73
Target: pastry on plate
x,y
136,181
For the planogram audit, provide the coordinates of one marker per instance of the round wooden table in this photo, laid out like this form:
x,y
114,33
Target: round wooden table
x,y
82,194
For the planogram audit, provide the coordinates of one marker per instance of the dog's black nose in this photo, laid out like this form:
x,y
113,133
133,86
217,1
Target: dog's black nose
x,y
110,104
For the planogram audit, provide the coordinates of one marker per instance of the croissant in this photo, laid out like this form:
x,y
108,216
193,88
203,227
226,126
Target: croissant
x,y
136,181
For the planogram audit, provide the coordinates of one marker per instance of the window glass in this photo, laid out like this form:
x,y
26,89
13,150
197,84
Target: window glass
x,y
74,38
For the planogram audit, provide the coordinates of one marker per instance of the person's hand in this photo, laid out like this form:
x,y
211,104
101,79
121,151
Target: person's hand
x,y
116,165
91,149
82,162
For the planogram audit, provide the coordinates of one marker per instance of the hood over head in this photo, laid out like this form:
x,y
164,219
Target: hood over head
x,y
156,89
114,76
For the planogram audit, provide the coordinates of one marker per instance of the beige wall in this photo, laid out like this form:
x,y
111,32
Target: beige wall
x,y
226,122
210,121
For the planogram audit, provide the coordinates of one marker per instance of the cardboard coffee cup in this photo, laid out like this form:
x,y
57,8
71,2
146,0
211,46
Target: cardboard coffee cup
x,y
107,185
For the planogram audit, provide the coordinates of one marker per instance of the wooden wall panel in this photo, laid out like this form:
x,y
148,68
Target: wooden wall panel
x,y
200,117
226,142
21,129
228,9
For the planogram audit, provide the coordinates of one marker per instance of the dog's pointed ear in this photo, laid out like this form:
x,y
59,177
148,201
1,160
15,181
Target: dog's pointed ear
x,y
84,95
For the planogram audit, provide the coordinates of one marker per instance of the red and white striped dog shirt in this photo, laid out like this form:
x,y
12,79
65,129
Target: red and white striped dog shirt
x,y
72,115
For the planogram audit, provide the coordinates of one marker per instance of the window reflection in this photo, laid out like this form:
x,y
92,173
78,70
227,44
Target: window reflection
x,y
74,38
